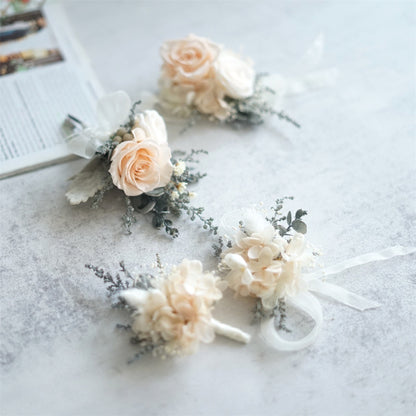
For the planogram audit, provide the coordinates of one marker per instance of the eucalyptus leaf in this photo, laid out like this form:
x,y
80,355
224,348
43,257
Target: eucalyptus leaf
x,y
156,192
300,213
289,218
140,201
299,226
282,230
157,221
147,208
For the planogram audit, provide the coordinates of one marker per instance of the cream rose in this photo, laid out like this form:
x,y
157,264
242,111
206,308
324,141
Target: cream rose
x,y
140,166
189,61
235,75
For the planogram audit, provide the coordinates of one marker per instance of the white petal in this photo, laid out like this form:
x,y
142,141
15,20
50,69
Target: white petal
x,y
247,277
254,252
235,261
135,298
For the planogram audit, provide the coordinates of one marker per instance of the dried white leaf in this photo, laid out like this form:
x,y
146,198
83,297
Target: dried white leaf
x,y
85,184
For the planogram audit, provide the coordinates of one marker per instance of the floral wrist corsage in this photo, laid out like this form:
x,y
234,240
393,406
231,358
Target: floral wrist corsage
x,y
130,151
269,259
171,311
200,77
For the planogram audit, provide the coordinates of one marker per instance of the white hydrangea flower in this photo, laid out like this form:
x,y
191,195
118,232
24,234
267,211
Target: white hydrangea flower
x,y
263,264
177,312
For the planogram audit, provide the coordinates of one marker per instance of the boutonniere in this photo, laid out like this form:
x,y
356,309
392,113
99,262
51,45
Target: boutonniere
x,y
129,151
269,258
202,78
170,310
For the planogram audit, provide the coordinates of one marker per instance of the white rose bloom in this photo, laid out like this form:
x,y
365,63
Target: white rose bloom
x,y
235,75
153,126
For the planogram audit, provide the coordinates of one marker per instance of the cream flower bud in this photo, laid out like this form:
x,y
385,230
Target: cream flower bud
x,y
181,187
179,168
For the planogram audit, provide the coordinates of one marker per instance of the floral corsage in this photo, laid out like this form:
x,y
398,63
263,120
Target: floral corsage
x,y
170,311
270,259
200,77
130,152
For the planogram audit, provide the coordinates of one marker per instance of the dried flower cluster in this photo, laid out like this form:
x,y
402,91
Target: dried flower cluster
x,y
171,313
130,151
176,312
200,76
265,259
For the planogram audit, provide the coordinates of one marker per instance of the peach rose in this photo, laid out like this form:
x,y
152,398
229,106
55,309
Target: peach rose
x,y
189,61
140,165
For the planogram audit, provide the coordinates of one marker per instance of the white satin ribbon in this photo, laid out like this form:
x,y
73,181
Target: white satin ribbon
x,y
112,111
309,304
307,75
84,143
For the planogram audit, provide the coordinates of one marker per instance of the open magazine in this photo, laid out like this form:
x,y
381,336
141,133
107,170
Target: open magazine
x,y
44,75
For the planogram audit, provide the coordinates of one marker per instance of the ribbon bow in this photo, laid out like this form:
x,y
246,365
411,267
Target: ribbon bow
x,y
308,303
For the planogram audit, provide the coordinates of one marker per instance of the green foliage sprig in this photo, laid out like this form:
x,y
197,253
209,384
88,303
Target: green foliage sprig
x,y
163,204
114,285
277,220
251,110
172,200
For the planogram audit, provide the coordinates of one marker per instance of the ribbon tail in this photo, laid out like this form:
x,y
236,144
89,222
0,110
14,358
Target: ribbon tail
x,y
307,303
385,254
342,295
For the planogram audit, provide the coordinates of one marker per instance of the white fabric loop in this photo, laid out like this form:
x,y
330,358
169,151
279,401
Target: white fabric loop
x,y
307,303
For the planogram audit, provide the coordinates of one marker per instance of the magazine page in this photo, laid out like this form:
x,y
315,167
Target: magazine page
x,y
44,75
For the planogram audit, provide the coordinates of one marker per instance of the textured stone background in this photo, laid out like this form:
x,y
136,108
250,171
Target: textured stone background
x,y
352,165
